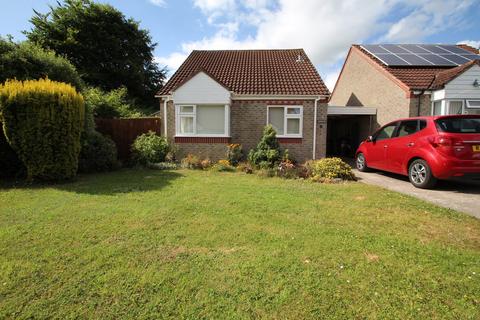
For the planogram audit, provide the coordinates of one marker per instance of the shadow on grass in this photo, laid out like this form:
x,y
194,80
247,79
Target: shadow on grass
x,y
107,183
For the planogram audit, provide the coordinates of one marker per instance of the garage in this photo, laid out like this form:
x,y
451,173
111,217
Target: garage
x,y
347,127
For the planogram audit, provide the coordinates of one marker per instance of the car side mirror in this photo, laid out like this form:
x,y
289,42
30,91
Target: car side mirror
x,y
370,139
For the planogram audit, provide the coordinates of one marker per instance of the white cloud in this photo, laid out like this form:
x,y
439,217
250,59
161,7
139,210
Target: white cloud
x,y
160,3
330,79
427,18
471,43
325,29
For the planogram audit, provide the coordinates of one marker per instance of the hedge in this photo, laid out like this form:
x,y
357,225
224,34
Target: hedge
x,y
42,122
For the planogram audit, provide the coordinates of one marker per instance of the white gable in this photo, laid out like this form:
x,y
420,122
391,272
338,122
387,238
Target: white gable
x,y
201,89
462,86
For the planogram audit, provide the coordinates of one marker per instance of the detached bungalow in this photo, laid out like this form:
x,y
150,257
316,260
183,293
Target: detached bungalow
x,y
228,96
381,83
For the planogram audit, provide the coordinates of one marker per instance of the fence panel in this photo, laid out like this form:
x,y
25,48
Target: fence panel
x,y
124,131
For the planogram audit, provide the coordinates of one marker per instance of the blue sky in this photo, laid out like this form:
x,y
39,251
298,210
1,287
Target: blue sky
x,y
325,29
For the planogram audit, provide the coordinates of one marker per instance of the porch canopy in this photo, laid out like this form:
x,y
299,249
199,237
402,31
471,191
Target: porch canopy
x,y
351,111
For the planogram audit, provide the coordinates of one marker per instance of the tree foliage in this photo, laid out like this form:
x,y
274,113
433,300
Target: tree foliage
x,y
27,61
108,49
42,122
112,104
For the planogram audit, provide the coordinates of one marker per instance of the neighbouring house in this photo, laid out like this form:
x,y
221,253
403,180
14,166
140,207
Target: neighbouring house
x,y
381,83
228,96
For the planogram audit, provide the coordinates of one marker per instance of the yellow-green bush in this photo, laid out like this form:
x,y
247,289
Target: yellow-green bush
x,y
42,121
328,168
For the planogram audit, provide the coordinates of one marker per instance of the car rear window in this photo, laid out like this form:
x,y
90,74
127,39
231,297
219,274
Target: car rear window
x,y
458,125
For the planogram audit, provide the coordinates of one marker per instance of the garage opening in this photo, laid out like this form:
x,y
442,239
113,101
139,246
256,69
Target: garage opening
x,y
347,127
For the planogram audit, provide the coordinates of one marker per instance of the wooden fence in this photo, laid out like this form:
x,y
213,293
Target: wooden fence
x,y
124,131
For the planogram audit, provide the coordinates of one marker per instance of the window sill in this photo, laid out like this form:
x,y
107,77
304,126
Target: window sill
x,y
291,140
202,139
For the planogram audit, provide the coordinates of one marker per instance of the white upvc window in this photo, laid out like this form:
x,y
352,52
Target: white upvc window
x,y
204,120
454,107
474,104
437,108
286,120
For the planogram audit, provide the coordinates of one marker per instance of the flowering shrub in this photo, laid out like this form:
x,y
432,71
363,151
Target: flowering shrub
x,y
191,162
245,167
234,153
223,165
163,166
286,169
327,169
206,163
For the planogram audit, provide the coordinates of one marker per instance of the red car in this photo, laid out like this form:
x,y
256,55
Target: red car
x,y
425,148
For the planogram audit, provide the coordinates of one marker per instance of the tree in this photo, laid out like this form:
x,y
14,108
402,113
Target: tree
x,y
27,61
108,49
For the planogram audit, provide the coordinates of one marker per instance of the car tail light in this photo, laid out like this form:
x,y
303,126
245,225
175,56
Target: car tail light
x,y
447,145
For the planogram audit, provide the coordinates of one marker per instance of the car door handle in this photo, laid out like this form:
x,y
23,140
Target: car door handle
x,y
411,144
385,146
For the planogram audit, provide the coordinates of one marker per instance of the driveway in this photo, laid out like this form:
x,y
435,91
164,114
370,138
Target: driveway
x,y
460,196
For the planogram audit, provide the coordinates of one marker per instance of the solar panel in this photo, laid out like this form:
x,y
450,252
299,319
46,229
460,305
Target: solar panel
x,y
413,48
393,48
374,48
471,56
455,58
391,59
420,54
437,60
414,60
433,48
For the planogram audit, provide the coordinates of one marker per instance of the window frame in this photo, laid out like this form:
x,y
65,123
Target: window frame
x,y
193,114
287,116
470,107
447,106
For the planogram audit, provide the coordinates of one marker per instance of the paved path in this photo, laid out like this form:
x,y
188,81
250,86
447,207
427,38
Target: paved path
x,y
460,196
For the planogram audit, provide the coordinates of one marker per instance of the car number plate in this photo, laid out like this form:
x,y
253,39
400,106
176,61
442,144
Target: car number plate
x,y
476,148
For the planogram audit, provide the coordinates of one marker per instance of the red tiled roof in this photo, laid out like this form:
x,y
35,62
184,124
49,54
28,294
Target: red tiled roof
x,y
254,72
446,76
468,48
415,78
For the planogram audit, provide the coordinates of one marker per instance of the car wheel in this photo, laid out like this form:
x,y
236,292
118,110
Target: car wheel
x,y
420,174
361,163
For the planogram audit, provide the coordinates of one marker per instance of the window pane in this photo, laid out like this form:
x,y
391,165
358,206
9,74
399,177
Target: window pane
x,y
385,133
186,109
474,103
437,108
455,107
186,124
211,119
293,126
459,125
293,110
407,128
275,118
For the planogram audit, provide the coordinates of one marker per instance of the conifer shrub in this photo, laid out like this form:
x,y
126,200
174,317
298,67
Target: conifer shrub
x,y
267,153
42,122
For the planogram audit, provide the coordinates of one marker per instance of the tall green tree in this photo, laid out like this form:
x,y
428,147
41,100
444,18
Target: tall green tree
x,y
108,49
27,61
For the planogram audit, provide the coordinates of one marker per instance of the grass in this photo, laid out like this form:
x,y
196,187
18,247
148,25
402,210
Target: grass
x,y
192,244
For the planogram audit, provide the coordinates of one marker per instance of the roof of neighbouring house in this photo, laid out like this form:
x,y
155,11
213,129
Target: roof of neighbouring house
x,y
253,72
444,77
422,77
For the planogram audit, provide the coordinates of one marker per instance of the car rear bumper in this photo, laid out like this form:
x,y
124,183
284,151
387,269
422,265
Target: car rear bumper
x,y
447,168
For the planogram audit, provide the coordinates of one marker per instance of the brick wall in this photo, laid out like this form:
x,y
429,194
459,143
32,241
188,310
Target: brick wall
x,y
425,106
247,120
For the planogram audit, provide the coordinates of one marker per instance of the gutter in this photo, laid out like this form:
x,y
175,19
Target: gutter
x,y
315,127
166,99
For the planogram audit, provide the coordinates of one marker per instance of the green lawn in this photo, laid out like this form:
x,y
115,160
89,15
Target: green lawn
x,y
192,244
